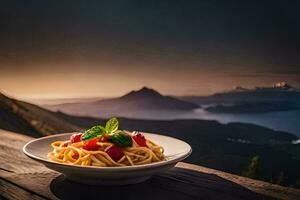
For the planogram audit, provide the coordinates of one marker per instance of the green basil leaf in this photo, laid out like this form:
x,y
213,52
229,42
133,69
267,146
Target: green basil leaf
x,y
93,132
120,138
112,125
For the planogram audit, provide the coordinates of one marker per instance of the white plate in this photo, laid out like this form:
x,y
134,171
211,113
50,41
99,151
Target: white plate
x,y
175,151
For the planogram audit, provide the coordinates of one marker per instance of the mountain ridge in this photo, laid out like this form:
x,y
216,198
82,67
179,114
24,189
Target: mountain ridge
x,y
143,92
132,103
279,92
30,119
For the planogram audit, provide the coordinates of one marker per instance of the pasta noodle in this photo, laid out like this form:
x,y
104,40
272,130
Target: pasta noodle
x,y
75,153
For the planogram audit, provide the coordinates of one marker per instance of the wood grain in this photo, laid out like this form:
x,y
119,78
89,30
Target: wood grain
x,y
23,178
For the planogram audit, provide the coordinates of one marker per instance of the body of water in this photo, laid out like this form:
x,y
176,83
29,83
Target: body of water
x,y
288,121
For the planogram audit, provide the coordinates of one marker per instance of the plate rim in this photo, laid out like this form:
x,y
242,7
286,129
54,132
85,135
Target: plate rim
x,y
181,156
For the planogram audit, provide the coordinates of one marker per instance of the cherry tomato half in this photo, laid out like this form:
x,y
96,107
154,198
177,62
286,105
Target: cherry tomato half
x,y
139,138
116,153
75,137
91,145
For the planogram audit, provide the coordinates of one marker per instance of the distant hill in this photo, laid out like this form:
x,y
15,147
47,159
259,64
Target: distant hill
x,y
130,104
29,119
279,92
254,107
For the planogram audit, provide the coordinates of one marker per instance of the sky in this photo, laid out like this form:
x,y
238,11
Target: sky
x,y
65,49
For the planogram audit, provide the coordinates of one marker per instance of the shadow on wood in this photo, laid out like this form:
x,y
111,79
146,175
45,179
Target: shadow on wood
x,y
175,184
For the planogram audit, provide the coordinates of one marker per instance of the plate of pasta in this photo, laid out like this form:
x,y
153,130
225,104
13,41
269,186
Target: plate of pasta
x,y
108,155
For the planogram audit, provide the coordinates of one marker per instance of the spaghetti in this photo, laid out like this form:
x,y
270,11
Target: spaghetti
x,y
104,151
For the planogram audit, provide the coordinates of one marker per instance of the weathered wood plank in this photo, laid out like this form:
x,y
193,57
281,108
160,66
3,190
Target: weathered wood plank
x,y
11,191
32,180
253,185
12,158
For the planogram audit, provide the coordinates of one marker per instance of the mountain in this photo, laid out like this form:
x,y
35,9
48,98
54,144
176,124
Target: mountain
x,y
253,107
279,92
29,119
132,104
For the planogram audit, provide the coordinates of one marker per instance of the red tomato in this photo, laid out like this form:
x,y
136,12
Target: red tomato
x,y
139,138
104,138
65,144
91,145
76,137
116,153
